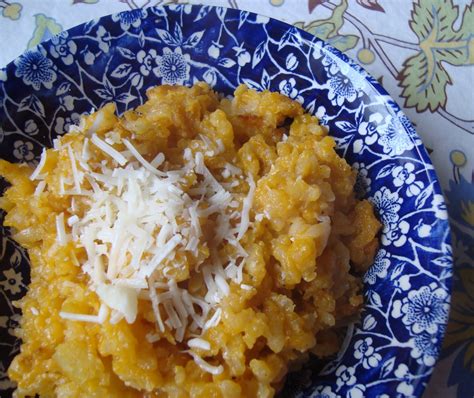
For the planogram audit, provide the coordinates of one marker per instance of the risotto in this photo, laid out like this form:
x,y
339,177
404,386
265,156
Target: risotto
x,y
193,247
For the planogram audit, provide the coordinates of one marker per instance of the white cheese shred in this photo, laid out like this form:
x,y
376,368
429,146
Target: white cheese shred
x,y
199,343
109,150
155,304
85,155
72,220
75,173
158,160
79,317
214,321
56,144
141,159
244,224
61,230
40,166
153,337
207,367
40,188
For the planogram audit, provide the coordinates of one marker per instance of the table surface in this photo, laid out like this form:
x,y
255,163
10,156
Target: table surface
x,y
423,54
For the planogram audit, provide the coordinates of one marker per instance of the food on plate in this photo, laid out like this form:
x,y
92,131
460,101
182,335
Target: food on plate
x,y
194,246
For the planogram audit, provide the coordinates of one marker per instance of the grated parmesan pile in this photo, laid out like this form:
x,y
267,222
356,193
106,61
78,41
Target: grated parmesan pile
x,y
138,219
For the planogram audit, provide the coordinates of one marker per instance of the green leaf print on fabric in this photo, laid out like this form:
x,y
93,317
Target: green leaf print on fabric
x,y
45,28
328,29
423,78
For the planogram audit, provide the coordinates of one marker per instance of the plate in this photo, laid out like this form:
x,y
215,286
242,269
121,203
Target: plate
x,y
393,348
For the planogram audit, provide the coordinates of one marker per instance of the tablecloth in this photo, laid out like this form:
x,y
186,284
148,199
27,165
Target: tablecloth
x,y
423,54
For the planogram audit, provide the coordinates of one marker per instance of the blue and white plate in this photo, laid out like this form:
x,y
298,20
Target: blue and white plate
x,y
392,350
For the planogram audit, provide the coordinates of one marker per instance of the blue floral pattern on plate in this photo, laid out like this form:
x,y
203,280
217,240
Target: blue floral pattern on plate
x,y
392,349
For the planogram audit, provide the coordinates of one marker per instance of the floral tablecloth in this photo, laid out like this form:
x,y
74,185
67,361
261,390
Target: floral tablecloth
x,y
421,51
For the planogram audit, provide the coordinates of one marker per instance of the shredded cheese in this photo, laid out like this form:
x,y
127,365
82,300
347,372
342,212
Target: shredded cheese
x,y
135,220
158,160
155,303
61,230
75,173
199,343
40,188
72,220
85,155
141,159
56,144
214,321
40,166
80,317
109,150
153,337
207,367
244,224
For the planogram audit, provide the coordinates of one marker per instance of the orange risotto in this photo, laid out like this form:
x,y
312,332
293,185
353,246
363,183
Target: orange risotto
x,y
194,247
